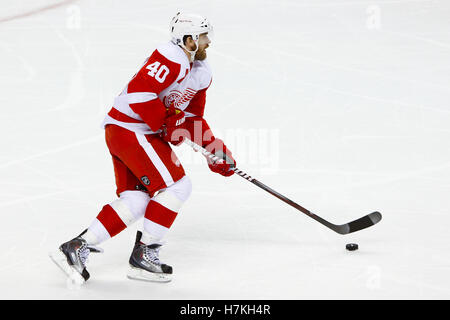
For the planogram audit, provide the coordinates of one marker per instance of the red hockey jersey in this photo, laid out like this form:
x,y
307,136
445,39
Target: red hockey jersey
x,y
166,77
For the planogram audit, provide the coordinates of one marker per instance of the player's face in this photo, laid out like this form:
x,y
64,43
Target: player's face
x,y
203,43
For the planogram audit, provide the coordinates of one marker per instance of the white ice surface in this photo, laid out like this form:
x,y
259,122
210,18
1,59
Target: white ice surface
x,y
355,94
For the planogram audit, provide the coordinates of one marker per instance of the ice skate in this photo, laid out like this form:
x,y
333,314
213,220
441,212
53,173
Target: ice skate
x,y
145,264
71,258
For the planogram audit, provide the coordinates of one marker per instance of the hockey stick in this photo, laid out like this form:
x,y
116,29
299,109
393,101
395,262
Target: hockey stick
x,y
353,226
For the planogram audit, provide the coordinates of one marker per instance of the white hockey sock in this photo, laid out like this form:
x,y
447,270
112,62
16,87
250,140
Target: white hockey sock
x,y
90,237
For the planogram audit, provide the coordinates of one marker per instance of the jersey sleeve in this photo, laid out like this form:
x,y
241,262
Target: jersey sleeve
x,y
197,104
157,74
197,126
199,131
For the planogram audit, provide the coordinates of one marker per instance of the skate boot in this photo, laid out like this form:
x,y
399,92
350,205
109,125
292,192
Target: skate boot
x,y
145,264
71,258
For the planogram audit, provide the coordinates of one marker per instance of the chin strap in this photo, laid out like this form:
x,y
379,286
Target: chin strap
x,y
192,53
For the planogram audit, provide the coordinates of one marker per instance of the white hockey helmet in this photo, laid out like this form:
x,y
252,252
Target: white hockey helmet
x,y
189,25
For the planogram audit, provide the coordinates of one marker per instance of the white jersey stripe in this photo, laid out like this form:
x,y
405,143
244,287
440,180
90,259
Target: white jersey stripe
x,y
141,128
122,102
155,159
138,97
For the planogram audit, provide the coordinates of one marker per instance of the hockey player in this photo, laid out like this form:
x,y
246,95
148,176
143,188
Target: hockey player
x,y
161,105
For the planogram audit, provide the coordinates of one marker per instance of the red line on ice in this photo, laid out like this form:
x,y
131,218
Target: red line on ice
x,y
36,11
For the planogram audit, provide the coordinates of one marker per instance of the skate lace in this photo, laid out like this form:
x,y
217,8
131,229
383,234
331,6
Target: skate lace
x,y
83,254
152,255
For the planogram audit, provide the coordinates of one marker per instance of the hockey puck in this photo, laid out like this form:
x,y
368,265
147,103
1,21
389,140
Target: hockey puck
x,y
351,246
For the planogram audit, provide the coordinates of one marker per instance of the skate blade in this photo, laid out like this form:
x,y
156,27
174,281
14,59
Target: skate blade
x,y
74,278
140,274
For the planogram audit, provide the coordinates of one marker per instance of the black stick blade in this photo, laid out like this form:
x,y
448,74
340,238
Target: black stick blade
x,y
359,224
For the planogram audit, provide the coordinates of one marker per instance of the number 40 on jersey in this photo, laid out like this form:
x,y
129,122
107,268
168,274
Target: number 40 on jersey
x,y
158,71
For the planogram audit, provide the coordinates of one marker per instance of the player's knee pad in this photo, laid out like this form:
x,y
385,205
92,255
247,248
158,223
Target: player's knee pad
x,y
133,201
175,195
181,189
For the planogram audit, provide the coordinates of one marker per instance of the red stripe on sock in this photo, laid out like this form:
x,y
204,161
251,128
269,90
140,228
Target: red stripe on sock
x,y
111,220
160,214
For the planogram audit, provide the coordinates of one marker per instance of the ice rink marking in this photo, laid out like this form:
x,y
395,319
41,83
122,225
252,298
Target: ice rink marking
x,y
36,11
